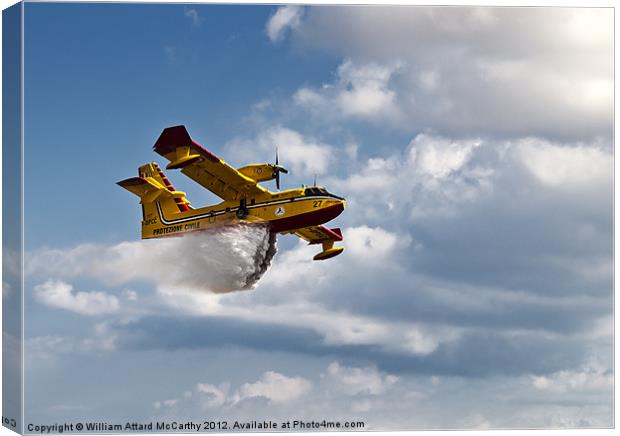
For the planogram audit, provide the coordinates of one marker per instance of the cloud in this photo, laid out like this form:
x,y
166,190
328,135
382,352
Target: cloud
x,y
171,53
360,380
361,91
438,157
284,18
384,401
273,386
564,167
305,156
216,396
277,388
471,71
56,293
193,16
590,378
373,244
440,173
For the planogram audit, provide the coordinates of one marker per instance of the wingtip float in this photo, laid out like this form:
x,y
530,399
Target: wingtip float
x,y
167,212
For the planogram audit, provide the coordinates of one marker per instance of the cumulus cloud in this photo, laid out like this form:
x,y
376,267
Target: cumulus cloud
x,y
360,380
373,244
437,171
276,387
56,293
215,396
384,401
273,386
471,71
438,157
565,167
305,156
284,18
361,91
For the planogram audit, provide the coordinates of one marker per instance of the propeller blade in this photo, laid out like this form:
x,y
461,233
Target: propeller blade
x,y
277,169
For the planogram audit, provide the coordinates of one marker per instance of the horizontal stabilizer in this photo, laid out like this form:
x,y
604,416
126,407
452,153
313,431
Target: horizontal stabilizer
x,y
148,190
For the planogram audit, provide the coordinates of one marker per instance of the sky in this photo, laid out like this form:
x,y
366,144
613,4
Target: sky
x,y
474,147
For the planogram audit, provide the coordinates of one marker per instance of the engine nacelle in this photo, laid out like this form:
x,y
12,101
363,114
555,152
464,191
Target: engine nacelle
x,y
259,172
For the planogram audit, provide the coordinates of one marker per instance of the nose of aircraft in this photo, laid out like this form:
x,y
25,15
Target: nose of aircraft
x,y
337,208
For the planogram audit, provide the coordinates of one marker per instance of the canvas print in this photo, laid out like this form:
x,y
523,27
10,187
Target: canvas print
x,y
235,218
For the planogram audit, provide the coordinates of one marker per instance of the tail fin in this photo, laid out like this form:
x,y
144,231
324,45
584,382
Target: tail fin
x,y
152,170
155,192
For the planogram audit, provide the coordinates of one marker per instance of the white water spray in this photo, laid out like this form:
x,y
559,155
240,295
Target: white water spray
x,y
218,260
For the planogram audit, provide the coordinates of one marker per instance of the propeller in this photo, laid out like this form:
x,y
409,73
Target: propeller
x,y
277,169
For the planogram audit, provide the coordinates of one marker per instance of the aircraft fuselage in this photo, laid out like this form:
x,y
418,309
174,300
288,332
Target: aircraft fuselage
x,y
283,211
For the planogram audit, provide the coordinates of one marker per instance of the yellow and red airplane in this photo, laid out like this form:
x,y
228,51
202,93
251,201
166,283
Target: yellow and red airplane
x,y
167,212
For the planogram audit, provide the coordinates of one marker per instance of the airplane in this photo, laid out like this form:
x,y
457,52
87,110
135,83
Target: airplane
x,y
167,212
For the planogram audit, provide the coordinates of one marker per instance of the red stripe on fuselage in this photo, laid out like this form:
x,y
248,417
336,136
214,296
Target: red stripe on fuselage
x,y
308,219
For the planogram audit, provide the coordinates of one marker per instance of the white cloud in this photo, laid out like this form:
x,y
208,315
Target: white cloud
x,y
437,156
276,387
285,17
384,401
364,90
171,53
166,403
360,380
373,244
192,14
473,71
440,173
558,166
304,156
215,396
583,380
56,293
361,91
43,351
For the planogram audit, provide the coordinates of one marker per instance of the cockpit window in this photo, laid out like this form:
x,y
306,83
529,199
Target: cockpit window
x,y
320,191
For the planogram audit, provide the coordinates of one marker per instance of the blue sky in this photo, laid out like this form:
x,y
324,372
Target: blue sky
x,y
475,152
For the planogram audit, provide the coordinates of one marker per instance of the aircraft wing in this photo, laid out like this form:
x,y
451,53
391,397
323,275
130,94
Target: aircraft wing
x,y
318,234
321,235
204,167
